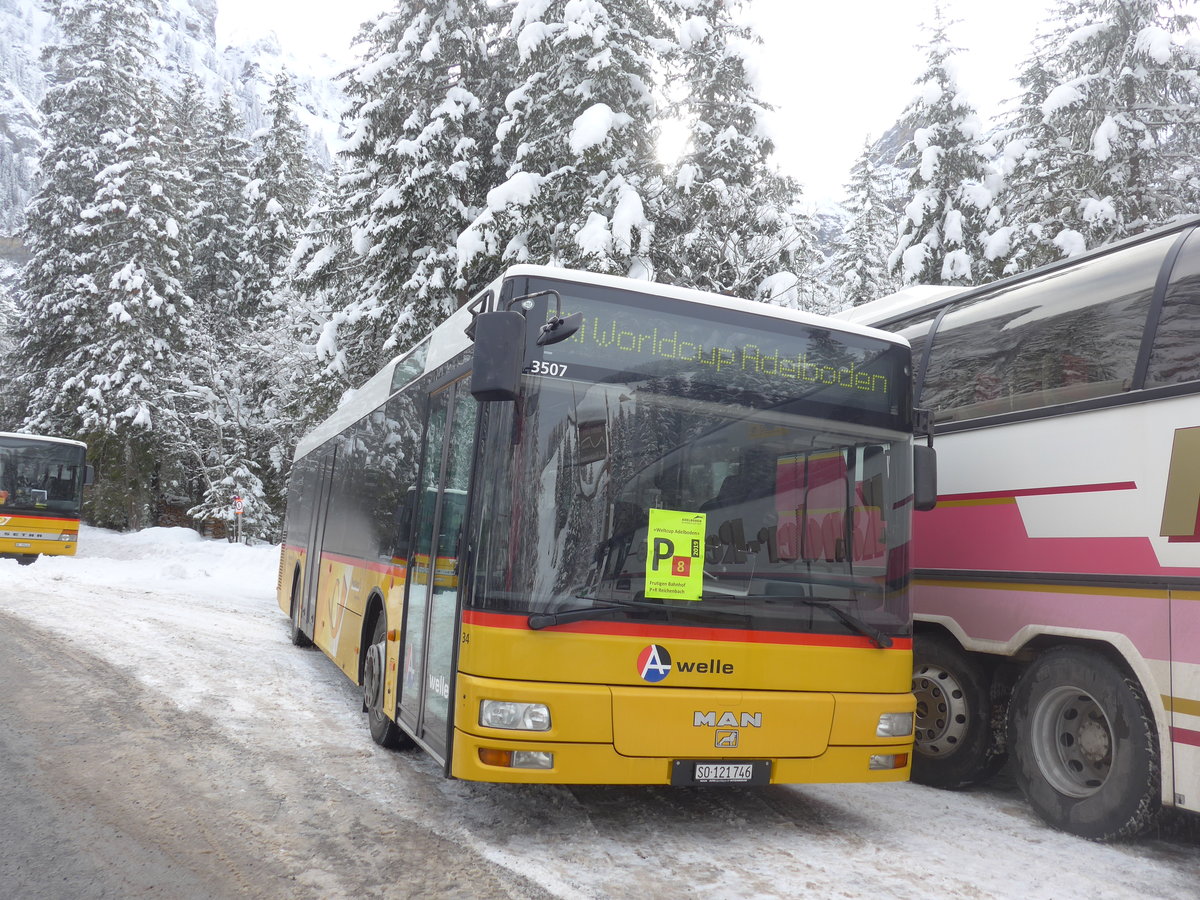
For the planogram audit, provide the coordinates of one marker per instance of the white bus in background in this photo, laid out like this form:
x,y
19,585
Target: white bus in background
x,y
1058,578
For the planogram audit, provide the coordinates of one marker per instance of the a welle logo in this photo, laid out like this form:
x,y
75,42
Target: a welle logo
x,y
654,664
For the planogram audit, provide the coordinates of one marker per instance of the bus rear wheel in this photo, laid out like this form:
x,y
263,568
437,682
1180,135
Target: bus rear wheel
x,y
384,731
954,746
1085,745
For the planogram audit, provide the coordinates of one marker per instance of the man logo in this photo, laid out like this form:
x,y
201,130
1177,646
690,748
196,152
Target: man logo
x,y
654,663
726,739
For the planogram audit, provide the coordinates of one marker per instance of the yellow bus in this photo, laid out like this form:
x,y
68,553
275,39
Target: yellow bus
x,y
595,530
41,494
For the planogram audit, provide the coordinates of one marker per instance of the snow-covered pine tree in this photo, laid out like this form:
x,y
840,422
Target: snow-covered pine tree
x,y
731,217
281,187
382,246
1104,142
103,315
944,226
578,138
239,445
859,267
220,404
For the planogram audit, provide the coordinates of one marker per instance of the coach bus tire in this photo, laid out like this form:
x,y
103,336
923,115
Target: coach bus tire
x,y
1086,747
954,744
299,638
26,560
384,731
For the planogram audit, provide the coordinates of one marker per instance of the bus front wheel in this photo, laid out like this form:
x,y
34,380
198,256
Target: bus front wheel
x,y
26,560
1085,745
955,745
384,731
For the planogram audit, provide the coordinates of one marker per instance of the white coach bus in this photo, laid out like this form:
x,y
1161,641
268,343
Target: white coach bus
x,y
1058,578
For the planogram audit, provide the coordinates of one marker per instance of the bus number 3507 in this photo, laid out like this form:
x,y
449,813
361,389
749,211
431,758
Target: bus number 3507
x,y
537,367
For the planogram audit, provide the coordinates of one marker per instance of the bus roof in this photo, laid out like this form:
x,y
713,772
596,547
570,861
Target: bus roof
x,y
754,307
904,301
41,439
449,338
920,296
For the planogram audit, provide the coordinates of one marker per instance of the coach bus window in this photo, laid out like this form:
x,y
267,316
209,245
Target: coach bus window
x,y
915,329
1174,358
1070,334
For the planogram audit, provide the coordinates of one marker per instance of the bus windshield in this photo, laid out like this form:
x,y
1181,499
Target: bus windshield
x,y
40,477
797,522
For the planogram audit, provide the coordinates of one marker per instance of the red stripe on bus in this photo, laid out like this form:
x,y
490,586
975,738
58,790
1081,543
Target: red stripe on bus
x,y
1041,492
39,519
520,622
395,568
1185,736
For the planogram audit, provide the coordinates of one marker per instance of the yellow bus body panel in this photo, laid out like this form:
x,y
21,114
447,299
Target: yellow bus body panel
x,y
768,662
616,728
29,535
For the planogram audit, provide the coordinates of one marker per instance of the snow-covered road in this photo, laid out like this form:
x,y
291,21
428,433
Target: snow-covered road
x,y
196,622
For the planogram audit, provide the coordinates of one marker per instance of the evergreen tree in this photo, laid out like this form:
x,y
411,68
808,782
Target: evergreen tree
x,y
859,266
382,245
578,139
221,404
281,186
943,228
103,318
732,220
220,216
1103,144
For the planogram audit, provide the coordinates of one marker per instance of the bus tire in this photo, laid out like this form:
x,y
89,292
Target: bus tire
x,y
954,745
1085,745
384,731
27,560
299,638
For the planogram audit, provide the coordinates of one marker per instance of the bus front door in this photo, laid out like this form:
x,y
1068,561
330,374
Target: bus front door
x,y
431,613
316,537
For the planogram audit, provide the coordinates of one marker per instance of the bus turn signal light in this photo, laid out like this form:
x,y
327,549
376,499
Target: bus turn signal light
x,y
516,759
887,761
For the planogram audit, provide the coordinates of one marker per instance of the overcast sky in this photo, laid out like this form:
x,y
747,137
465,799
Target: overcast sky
x,y
836,72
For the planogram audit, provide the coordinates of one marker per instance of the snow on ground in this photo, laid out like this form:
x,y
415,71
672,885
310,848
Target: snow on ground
x,y
198,621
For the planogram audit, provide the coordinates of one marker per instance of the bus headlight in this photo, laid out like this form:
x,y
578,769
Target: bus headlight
x,y
514,716
894,725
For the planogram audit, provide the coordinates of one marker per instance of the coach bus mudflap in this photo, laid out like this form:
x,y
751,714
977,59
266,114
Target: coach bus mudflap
x,y
706,724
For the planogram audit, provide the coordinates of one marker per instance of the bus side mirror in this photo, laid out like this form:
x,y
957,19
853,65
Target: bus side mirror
x,y
89,474
924,478
499,355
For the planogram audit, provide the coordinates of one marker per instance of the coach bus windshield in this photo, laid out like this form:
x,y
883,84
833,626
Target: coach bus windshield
x,y
40,477
671,492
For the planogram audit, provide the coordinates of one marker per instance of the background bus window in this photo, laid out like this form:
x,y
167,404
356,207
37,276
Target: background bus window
x,y
1071,334
1174,358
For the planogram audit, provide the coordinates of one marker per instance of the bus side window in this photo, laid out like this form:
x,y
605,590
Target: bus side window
x,y
1174,359
1069,334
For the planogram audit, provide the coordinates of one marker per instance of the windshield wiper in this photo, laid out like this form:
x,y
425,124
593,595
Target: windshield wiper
x,y
881,640
538,621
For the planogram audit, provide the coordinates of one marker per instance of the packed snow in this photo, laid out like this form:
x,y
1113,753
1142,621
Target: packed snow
x,y
197,620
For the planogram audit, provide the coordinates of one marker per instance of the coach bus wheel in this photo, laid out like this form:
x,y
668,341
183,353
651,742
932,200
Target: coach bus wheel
x,y
26,560
953,728
299,638
1085,745
384,731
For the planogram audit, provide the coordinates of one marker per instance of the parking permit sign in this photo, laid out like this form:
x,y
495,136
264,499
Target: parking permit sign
x,y
675,555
